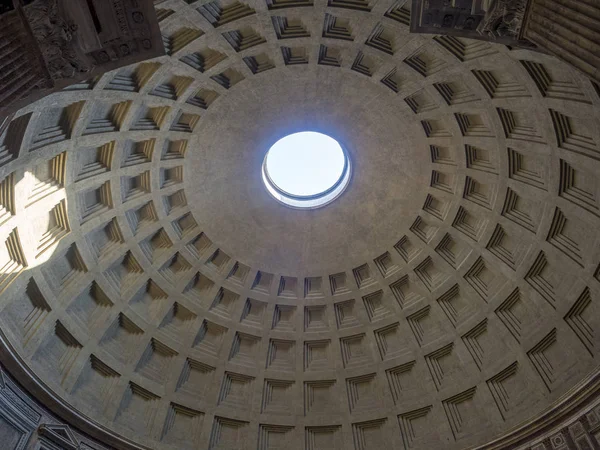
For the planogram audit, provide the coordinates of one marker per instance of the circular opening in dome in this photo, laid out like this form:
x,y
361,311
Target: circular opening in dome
x,y
306,170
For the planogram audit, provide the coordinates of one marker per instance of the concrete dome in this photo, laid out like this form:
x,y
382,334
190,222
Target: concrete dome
x,y
450,295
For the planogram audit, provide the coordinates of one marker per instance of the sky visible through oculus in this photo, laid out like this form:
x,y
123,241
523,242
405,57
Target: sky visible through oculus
x,y
305,163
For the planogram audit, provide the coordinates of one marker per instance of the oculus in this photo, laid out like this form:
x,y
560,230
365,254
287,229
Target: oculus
x,y
306,170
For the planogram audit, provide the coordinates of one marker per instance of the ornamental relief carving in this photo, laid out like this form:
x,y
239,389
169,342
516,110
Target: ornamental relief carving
x,y
57,40
504,19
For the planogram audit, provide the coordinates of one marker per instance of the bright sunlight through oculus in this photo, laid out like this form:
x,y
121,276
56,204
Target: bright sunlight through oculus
x,y
306,170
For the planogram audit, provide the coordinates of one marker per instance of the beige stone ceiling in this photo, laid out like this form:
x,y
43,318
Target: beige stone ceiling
x,y
385,194
448,296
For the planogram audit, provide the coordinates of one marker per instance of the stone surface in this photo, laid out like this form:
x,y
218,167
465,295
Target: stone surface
x,y
51,44
570,30
163,299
